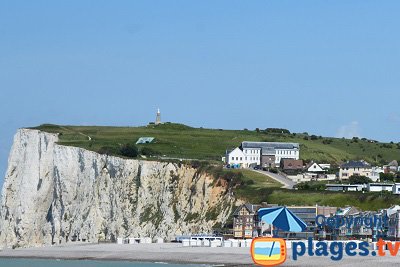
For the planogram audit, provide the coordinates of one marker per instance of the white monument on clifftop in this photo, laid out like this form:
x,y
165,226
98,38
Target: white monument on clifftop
x,y
158,117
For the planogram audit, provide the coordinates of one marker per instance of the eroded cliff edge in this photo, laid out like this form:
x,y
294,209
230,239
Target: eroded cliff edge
x,y
55,194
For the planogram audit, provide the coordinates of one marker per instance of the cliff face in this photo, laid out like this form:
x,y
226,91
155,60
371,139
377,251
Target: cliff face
x,y
54,194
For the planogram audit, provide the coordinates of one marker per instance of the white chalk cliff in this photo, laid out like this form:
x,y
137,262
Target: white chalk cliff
x,y
55,194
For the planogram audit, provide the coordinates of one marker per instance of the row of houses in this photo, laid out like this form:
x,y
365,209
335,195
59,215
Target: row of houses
x,y
393,188
246,223
264,154
372,225
363,168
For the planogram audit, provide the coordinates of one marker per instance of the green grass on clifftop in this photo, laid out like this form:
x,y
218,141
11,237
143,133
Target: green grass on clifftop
x,y
181,141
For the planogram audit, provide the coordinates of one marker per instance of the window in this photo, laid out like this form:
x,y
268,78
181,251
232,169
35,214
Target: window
x,y
233,158
245,158
240,158
237,158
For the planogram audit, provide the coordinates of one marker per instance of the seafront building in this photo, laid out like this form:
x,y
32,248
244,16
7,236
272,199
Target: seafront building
x,y
247,224
245,221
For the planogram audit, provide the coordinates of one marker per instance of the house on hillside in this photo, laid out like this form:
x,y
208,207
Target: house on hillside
x,y
291,166
396,189
379,187
271,153
375,173
234,157
356,168
392,167
345,187
243,158
266,154
314,167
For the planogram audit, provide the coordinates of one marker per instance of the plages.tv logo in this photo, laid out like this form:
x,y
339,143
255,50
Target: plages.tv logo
x,y
268,251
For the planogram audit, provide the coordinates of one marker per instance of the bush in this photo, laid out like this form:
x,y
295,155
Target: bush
x,y
249,182
277,130
108,150
148,151
356,179
315,186
386,177
129,150
327,141
273,170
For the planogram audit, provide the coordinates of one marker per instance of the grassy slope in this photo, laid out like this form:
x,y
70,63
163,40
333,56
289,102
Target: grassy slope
x,y
366,201
180,141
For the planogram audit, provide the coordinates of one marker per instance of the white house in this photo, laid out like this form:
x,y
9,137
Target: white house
x,y
243,158
236,156
345,187
379,187
375,173
273,150
318,168
396,189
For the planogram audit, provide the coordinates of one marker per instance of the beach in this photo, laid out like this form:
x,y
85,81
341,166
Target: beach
x,y
176,253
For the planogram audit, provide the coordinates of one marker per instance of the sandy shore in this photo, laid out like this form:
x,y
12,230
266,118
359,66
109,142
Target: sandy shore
x,y
176,253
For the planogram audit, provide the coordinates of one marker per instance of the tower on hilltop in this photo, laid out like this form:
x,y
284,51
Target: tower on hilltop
x,y
158,117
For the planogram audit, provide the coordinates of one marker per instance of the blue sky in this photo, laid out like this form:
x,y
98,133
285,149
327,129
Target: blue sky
x,y
326,67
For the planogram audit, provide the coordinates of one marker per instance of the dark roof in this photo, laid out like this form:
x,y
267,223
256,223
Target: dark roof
x,y
270,145
250,207
267,151
355,164
292,164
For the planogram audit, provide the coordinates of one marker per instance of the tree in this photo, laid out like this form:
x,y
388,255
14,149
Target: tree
x,y
108,150
358,179
129,150
386,177
148,151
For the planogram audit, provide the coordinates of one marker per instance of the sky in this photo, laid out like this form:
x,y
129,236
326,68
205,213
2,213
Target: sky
x,y
329,68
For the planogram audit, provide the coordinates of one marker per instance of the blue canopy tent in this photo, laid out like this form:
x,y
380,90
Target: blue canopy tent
x,y
282,218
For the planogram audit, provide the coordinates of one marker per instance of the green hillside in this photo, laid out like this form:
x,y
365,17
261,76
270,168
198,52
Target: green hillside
x,y
181,141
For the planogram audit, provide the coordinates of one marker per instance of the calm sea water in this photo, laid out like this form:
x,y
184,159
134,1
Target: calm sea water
x,y
84,263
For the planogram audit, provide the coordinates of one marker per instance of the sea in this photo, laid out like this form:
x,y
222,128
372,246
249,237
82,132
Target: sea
x,y
10,262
